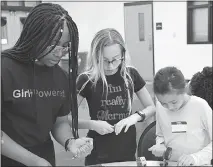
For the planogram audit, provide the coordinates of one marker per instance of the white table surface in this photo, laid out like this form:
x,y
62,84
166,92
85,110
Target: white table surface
x,y
134,163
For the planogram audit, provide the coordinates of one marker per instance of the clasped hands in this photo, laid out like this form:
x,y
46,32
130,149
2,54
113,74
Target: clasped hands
x,y
80,147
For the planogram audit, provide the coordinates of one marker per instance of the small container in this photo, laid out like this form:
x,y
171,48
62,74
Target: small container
x,y
168,153
141,161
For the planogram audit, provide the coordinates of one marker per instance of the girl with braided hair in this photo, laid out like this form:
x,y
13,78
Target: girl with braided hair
x,y
108,86
37,95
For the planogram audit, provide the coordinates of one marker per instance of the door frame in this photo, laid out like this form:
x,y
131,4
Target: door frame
x,y
152,17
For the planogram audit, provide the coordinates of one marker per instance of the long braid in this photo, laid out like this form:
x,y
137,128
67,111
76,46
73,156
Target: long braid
x,y
73,62
42,25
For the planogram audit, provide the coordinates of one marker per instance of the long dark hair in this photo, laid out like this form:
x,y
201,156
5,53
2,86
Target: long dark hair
x,y
44,23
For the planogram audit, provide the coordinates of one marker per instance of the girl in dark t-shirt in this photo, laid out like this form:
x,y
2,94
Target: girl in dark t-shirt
x,y
108,86
35,92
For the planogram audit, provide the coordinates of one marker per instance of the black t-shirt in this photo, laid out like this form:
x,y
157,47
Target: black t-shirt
x,y
32,99
111,109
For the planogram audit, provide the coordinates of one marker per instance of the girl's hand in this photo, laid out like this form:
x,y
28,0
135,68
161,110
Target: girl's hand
x,y
158,150
127,122
80,147
186,160
102,127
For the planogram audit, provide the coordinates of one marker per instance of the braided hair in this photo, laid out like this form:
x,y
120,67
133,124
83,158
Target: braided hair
x,y
44,23
201,84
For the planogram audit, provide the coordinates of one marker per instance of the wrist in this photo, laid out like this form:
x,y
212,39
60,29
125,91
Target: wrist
x,y
67,142
91,124
142,116
136,117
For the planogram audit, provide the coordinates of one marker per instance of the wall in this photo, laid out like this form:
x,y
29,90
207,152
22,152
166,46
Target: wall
x,y
14,27
91,17
170,43
170,47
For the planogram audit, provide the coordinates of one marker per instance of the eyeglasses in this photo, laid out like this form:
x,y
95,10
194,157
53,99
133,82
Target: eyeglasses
x,y
59,51
63,48
113,62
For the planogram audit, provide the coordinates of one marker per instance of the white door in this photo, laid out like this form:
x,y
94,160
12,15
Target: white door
x,y
139,37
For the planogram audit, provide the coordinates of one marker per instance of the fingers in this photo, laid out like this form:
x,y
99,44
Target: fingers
x,y
110,129
187,162
181,160
156,150
119,126
106,129
118,129
79,153
91,142
83,151
151,148
123,123
127,127
80,144
87,143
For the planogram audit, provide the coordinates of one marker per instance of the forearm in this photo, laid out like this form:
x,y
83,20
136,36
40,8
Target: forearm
x,y
203,156
61,132
85,124
149,111
159,134
14,151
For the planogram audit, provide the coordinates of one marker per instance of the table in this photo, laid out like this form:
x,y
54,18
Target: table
x,y
133,163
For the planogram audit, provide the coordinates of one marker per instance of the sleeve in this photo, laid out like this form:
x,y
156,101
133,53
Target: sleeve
x,y
6,86
138,81
65,109
82,85
159,134
204,156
